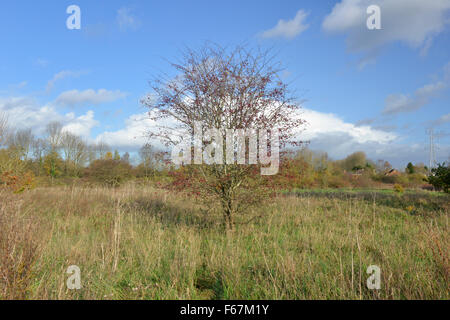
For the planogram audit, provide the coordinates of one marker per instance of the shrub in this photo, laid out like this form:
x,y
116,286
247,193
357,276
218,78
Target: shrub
x,y
415,179
109,172
338,182
398,188
19,251
18,183
363,181
440,177
53,164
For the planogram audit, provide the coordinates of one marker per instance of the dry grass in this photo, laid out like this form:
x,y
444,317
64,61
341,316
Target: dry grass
x,y
143,243
18,249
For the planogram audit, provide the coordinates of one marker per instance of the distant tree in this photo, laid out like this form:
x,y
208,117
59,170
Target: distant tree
x,y
91,153
148,159
146,153
21,140
321,161
383,166
101,149
440,177
126,157
410,168
10,158
421,168
108,156
370,164
75,152
116,155
38,149
355,161
54,134
53,164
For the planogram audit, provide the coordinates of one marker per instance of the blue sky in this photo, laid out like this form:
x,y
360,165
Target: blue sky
x,y
371,90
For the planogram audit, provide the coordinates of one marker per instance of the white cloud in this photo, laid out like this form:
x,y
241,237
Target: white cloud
x,y
81,125
89,96
11,103
320,123
413,22
399,103
328,132
442,120
345,16
23,112
136,132
324,132
126,19
288,29
132,136
62,75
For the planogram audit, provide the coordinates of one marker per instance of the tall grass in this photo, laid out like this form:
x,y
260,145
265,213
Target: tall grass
x,y
143,243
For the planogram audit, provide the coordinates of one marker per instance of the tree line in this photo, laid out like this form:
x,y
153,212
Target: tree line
x,y
61,154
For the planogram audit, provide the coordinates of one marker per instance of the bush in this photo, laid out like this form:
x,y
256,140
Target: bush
x,y
18,183
398,188
109,172
338,182
53,164
363,181
19,250
440,177
416,179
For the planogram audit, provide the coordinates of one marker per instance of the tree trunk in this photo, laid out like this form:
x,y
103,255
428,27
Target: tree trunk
x,y
228,214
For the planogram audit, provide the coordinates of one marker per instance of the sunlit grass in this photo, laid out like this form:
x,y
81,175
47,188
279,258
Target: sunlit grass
x,y
143,243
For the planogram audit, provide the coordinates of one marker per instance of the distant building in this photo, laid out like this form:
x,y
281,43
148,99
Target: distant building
x,y
392,172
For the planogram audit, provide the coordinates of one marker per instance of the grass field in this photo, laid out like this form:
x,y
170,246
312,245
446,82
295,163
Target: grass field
x,y
143,243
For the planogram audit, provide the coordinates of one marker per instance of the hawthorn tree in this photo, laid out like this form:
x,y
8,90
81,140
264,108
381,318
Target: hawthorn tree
x,y
223,89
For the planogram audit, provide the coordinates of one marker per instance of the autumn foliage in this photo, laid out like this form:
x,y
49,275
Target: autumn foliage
x,y
18,183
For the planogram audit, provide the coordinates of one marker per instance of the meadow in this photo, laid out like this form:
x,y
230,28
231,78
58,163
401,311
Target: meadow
x,y
141,242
